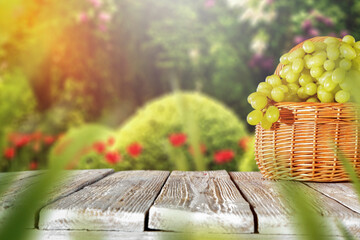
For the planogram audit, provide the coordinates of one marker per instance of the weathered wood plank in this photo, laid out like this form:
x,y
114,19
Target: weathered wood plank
x,y
274,215
344,193
68,183
118,202
113,235
190,201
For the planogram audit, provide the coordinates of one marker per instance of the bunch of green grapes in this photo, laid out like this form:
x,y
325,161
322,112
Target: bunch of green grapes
x,y
317,72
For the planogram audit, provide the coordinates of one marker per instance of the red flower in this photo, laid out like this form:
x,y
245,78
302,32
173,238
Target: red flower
x,y
177,139
33,165
21,140
111,141
9,153
202,149
134,149
99,147
113,157
244,142
223,156
48,140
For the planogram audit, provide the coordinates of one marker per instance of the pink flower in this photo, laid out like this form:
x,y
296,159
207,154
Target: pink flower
x,y
96,3
112,157
344,33
223,156
104,17
134,149
102,27
83,17
313,32
177,139
209,3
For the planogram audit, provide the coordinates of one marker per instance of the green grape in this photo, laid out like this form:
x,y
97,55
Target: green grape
x,y
302,93
265,124
329,85
277,94
345,85
319,46
292,76
325,96
305,79
345,64
307,60
338,75
289,98
317,60
312,99
357,45
353,76
316,72
264,88
285,70
324,76
274,80
308,46
297,65
321,54
347,51
329,65
333,52
253,95
272,114
284,59
284,88
331,40
356,63
348,39
259,102
336,89
293,87
310,89
298,53
254,117
342,96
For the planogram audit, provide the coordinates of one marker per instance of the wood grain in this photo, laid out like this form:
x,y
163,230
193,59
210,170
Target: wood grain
x,y
118,202
344,193
67,184
190,201
274,215
155,235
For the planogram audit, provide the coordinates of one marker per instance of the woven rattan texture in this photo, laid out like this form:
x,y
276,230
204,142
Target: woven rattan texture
x,y
307,140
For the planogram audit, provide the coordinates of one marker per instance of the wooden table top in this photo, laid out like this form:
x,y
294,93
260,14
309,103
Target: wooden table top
x,y
159,204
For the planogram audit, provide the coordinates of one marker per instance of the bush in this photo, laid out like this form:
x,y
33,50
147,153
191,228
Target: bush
x,y
75,150
218,129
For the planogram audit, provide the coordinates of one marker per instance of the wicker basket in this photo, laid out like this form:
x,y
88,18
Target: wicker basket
x,y
304,144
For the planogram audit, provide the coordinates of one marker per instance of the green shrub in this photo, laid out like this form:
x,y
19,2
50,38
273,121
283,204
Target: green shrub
x,y
75,149
217,126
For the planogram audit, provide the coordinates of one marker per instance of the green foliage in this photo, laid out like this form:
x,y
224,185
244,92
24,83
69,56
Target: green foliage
x,y
76,147
151,126
17,102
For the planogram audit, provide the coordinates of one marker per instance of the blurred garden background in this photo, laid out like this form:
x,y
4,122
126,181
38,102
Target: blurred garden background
x,y
144,84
